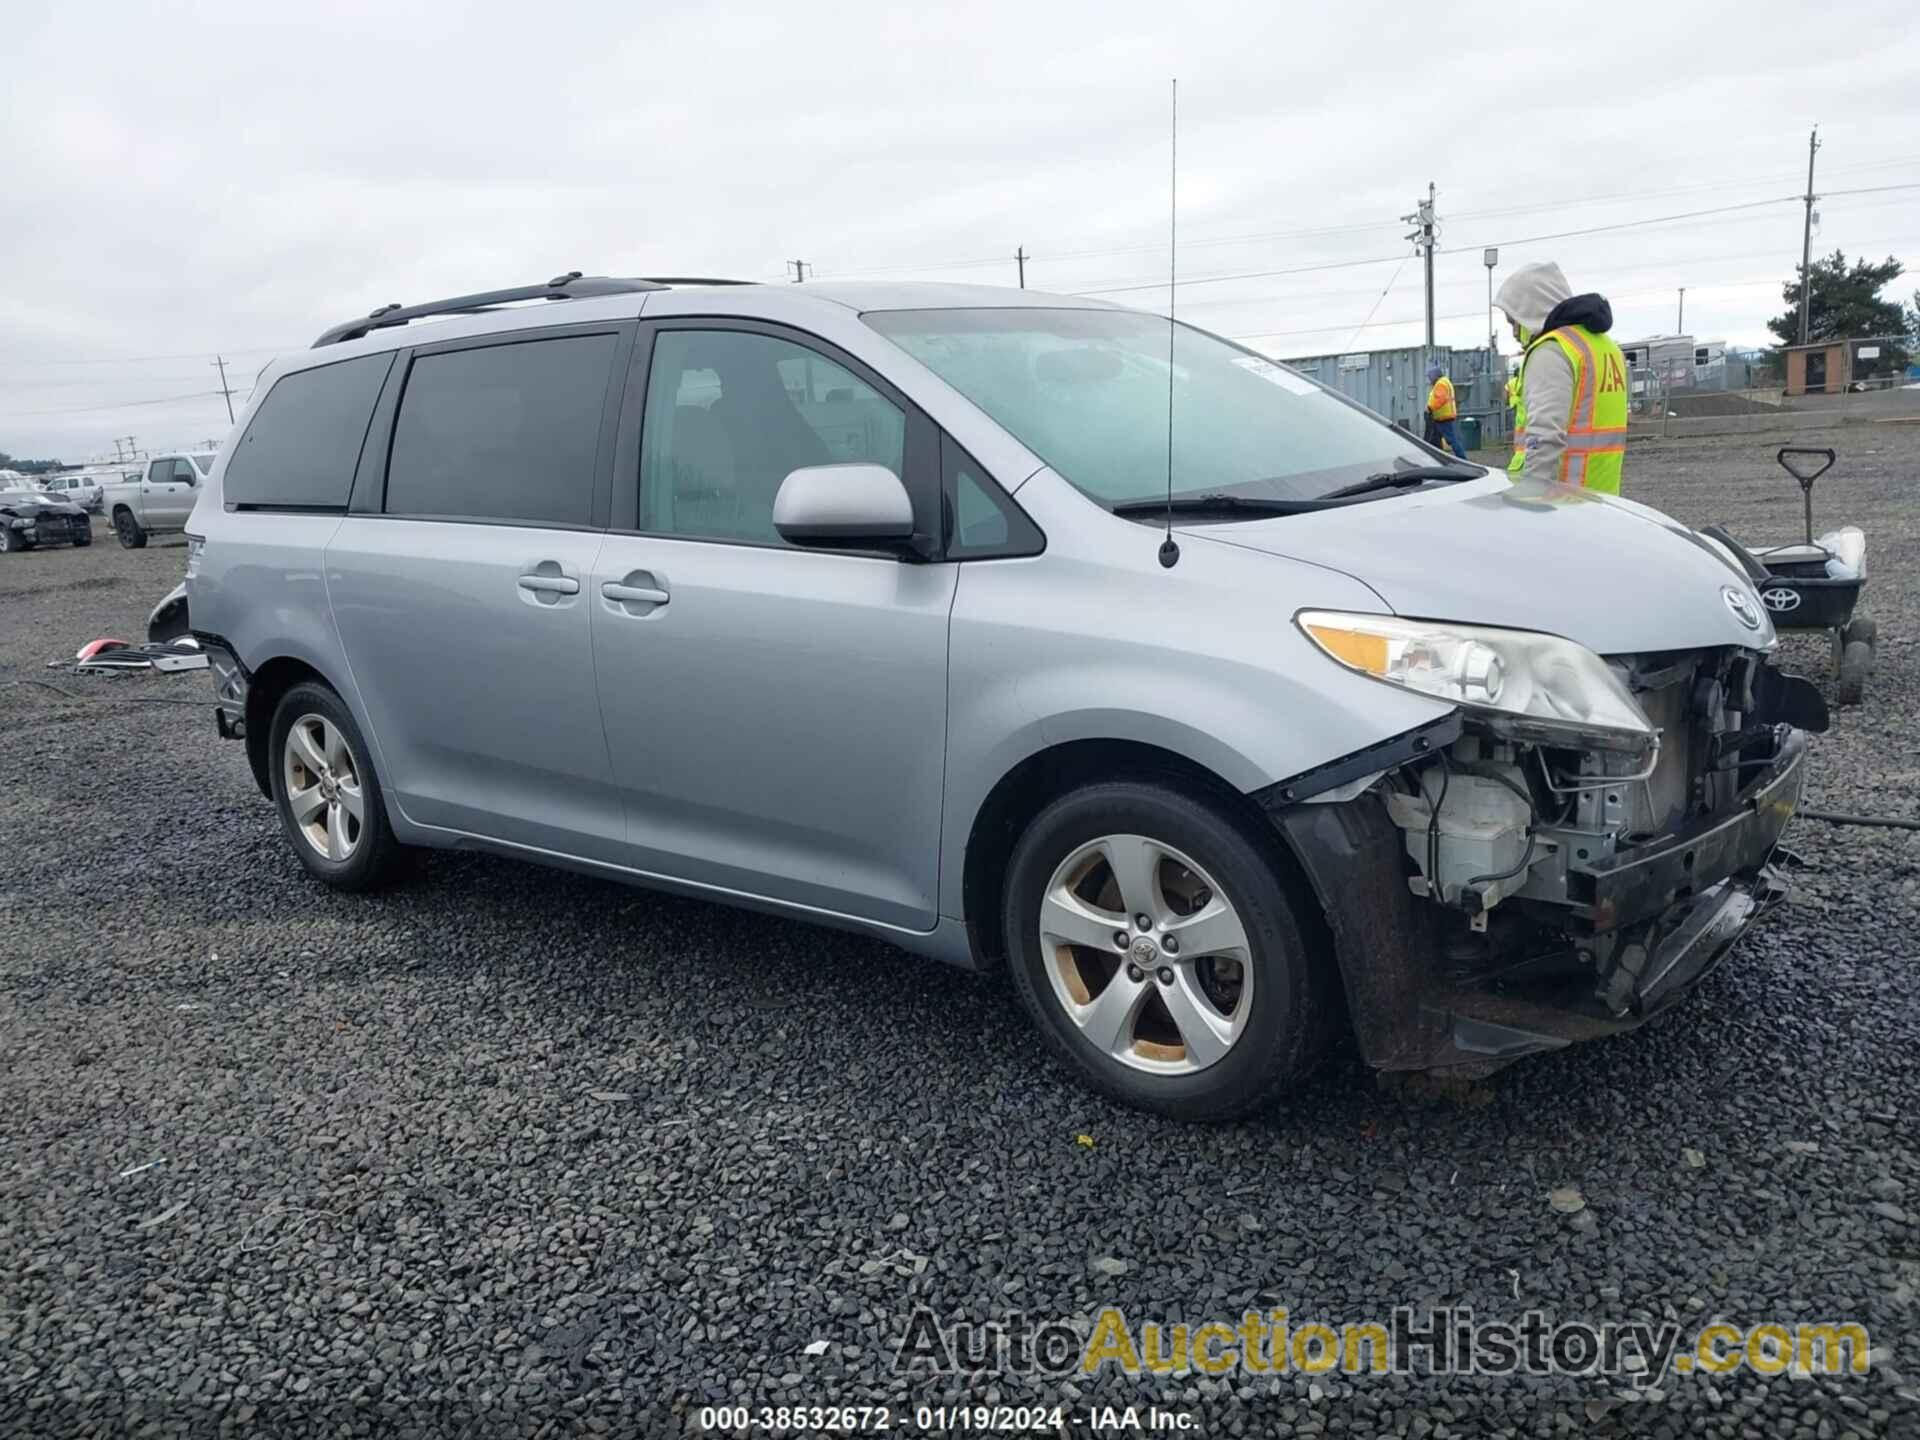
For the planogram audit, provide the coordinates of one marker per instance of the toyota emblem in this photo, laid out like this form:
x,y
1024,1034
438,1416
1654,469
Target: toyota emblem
x,y
1779,599
1743,609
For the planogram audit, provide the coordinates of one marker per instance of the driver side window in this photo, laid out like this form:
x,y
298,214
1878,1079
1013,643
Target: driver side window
x,y
729,414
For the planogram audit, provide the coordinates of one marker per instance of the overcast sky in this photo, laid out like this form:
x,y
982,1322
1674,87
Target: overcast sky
x,y
233,178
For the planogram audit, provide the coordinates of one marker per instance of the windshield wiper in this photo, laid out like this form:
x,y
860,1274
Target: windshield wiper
x,y
1213,502
1395,479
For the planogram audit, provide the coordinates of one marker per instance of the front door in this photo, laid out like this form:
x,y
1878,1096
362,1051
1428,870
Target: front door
x,y
167,494
463,601
776,717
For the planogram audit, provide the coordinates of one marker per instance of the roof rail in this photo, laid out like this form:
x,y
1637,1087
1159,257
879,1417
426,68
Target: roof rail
x,y
571,286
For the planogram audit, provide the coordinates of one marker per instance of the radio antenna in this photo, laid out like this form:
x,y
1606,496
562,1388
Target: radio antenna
x,y
1170,552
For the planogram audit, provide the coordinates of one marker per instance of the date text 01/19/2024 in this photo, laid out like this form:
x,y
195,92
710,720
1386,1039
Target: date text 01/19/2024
x,y
944,1419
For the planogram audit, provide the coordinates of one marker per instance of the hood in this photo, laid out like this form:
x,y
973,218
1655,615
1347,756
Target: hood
x,y
24,507
1589,310
1529,294
1616,577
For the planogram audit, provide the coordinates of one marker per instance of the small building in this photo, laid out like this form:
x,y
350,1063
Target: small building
x,y
1831,367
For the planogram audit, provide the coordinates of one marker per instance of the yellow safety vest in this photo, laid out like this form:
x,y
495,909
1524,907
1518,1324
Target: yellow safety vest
x,y
1440,399
1597,427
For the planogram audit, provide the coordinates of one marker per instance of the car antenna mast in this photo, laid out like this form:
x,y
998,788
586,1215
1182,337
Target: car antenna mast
x,y
1170,552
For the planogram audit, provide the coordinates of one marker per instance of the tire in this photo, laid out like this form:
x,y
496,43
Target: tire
x,y
10,540
365,854
1856,664
85,537
132,537
1264,1019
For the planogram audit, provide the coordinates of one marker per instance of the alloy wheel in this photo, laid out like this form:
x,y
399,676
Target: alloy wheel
x,y
324,793
1146,954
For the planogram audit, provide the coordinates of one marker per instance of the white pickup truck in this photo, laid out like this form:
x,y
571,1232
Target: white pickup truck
x,y
158,500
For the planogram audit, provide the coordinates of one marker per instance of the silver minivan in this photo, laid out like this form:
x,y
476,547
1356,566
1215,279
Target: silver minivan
x,y
1024,631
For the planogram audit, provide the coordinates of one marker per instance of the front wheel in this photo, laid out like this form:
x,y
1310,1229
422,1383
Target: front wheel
x,y
85,537
10,539
327,794
1153,942
132,537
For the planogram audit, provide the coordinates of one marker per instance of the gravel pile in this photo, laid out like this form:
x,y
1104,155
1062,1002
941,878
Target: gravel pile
x,y
515,1151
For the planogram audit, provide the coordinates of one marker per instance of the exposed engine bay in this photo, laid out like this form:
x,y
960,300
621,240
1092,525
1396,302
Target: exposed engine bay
x,y
1523,835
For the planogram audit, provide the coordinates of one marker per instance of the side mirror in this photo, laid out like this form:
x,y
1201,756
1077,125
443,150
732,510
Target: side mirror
x,y
844,507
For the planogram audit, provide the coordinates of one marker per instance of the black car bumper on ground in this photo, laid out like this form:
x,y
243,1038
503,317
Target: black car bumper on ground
x,y
1661,917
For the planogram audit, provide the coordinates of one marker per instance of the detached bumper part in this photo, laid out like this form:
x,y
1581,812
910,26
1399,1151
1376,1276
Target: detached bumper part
x,y
1654,922
230,685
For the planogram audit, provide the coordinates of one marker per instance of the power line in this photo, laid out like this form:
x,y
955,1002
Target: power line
x,y
1512,241
119,405
146,359
1358,227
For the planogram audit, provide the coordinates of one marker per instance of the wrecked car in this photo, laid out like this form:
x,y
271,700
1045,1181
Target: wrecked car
x,y
33,517
1023,631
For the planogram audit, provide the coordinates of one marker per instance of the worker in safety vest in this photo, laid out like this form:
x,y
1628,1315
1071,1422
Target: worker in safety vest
x,y
1442,410
1570,425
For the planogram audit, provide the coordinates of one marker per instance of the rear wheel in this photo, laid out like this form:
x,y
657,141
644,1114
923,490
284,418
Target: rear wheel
x,y
132,537
1856,664
1153,942
327,794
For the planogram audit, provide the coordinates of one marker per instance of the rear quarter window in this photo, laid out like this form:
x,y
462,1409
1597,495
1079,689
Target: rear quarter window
x,y
300,449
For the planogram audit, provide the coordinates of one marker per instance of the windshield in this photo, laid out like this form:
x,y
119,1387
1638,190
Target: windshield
x,y
205,462
1086,391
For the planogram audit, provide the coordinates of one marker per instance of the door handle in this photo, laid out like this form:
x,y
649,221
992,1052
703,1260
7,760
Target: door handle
x,y
638,593
634,594
550,584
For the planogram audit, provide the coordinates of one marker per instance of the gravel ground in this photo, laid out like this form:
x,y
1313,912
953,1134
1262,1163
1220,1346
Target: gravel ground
x,y
509,1149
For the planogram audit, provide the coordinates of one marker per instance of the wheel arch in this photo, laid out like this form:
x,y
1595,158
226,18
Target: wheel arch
x,y
265,687
1044,776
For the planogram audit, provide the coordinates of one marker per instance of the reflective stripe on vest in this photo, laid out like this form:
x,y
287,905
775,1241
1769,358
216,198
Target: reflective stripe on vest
x,y
1596,440
1440,399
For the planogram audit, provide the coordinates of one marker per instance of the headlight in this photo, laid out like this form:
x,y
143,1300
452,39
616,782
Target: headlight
x,y
1549,684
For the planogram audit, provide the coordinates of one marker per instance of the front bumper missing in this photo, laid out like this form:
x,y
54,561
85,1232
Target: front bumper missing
x,y
1651,879
1664,916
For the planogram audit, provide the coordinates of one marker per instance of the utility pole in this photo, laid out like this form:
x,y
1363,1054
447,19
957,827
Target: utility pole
x,y
1806,239
1680,324
800,268
1020,259
226,391
1422,236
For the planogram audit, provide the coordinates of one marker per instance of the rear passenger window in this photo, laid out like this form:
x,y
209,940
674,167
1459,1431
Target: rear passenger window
x,y
300,449
502,432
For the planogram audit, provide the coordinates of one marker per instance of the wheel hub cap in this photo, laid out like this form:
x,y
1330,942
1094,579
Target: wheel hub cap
x,y
1146,955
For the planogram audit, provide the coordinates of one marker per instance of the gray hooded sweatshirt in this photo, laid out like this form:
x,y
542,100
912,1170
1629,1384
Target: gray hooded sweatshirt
x,y
1532,296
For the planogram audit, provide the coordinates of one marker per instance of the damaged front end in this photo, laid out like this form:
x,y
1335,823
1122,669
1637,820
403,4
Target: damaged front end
x,y
1499,884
